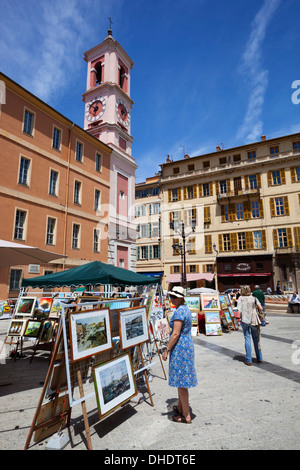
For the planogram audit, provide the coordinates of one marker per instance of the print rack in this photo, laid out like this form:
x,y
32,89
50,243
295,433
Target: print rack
x,y
69,381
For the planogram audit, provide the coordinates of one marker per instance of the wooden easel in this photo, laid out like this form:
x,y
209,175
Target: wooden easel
x,y
54,420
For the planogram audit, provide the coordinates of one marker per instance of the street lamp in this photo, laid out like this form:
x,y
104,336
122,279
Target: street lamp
x,y
182,247
216,280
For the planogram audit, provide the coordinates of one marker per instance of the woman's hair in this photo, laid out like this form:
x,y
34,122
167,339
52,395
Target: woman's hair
x,y
245,290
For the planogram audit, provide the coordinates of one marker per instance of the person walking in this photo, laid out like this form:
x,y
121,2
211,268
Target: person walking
x,y
250,322
258,293
182,372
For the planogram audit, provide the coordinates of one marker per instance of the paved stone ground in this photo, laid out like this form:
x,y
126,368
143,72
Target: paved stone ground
x,y
233,407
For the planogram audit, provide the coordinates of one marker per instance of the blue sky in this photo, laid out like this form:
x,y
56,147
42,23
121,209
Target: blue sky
x,y
206,73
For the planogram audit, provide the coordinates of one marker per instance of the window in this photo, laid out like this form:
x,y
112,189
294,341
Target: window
x,y
155,252
191,246
140,211
144,252
28,122
282,237
205,189
252,156
75,236
19,232
97,199
176,171
295,174
276,177
98,162
274,151
242,241
154,208
51,223
279,207
77,189
255,209
253,181
191,167
96,241
206,164
223,186
224,213
190,192
79,151
257,239
296,147
237,157
15,279
24,171
222,160
53,183
239,211
56,138
175,195
226,242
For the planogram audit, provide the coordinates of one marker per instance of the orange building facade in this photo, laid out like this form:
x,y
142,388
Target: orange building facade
x,y
54,186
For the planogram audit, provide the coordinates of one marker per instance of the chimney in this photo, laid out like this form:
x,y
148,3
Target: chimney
x,y
168,159
218,148
186,156
263,138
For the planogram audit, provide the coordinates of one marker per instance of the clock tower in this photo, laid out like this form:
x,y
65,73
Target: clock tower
x,y
107,116
107,98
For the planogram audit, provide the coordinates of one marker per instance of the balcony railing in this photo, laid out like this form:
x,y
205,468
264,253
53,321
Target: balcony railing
x,y
233,165
239,193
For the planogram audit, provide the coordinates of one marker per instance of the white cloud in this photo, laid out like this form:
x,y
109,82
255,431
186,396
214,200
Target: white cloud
x,y
256,77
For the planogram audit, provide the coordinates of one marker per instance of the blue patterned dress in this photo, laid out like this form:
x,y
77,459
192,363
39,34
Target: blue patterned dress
x,y
182,371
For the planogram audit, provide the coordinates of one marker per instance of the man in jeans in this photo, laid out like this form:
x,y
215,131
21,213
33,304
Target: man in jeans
x,y
261,298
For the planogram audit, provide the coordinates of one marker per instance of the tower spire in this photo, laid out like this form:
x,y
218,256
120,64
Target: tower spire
x,y
110,23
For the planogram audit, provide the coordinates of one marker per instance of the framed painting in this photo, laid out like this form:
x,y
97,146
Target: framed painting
x,y
212,316
56,307
133,326
149,302
210,302
193,302
32,328
162,329
16,328
46,331
227,316
213,329
90,333
26,306
227,298
167,304
223,302
114,383
44,308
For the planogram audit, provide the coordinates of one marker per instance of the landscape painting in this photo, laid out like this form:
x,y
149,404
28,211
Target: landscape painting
x,y
210,301
114,383
90,333
133,326
213,329
26,306
44,308
212,316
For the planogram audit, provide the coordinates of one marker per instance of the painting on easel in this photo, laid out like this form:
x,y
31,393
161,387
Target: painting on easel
x,y
114,383
90,333
133,326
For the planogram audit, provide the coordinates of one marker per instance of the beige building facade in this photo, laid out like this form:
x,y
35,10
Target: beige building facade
x,y
237,211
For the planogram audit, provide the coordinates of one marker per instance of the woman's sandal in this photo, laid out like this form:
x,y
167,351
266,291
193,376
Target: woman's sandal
x,y
176,410
181,419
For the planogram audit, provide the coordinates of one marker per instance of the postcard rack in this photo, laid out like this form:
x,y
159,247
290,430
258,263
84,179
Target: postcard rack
x,y
68,383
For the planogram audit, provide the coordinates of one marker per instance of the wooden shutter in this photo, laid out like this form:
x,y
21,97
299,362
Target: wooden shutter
x,y
211,189
289,237
223,215
185,192
233,242
231,211
247,210
258,178
220,242
261,208
272,207
208,243
200,190
249,240
297,238
246,179
270,178
275,238
170,195
179,194
264,239
286,205
282,176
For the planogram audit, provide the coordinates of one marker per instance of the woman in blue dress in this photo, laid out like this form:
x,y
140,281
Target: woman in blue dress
x,y
182,373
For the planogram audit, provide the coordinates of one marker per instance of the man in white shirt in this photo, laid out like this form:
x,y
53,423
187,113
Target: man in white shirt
x,y
294,299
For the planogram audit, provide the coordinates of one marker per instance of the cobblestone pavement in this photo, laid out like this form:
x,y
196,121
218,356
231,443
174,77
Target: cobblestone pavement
x,y
233,407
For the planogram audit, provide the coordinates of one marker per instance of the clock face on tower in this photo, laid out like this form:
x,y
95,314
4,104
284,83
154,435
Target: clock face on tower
x,y
122,113
95,109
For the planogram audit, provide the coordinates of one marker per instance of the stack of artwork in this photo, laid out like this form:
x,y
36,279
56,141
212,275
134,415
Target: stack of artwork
x,y
211,308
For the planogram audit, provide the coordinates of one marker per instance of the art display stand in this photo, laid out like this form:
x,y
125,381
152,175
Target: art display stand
x,y
71,377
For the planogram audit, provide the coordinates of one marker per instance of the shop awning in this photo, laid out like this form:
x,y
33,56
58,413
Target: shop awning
x,y
172,278
245,275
